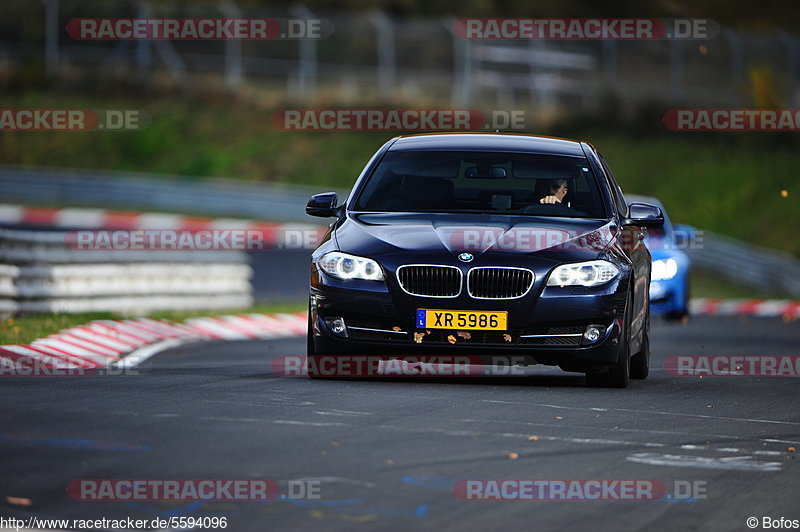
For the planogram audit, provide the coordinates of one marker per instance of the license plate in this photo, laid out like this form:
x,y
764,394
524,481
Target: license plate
x,y
471,320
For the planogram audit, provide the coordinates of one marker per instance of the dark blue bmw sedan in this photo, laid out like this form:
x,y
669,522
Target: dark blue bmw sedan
x,y
494,246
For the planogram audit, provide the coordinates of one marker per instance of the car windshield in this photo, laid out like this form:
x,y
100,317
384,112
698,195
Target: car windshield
x,y
483,182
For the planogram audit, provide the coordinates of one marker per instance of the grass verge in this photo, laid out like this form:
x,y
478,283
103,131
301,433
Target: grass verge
x,y
708,285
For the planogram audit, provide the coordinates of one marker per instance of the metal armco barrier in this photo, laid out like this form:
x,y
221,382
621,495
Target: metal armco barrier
x,y
8,305
212,197
767,269
40,274
729,258
23,246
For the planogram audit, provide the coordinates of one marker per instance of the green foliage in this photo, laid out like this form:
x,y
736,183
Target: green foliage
x,y
732,190
730,183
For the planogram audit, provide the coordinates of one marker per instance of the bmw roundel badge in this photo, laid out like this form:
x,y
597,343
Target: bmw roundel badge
x,y
466,257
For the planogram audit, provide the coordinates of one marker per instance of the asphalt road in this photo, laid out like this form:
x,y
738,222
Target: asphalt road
x,y
387,453
280,274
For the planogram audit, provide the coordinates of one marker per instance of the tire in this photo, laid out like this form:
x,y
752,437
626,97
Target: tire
x,y
676,316
619,374
640,362
309,338
312,358
683,314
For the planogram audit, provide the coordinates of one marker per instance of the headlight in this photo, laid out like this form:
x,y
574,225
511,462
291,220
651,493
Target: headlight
x,y
663,269
344,266
590,273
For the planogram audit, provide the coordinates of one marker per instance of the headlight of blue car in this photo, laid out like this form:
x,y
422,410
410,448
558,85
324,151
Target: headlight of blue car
x,y
664,269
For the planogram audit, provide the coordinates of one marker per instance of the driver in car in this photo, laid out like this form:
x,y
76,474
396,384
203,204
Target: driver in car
x,y
555,192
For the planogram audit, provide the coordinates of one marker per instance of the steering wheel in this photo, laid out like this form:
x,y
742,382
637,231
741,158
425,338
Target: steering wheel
x,y
555,208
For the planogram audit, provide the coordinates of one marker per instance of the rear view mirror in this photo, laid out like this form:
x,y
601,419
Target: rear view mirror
x,y
644,215
485,172
323,205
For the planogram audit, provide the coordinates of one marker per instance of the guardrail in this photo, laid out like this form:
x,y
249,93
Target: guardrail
x,y
214,197
767,269
23,246
8,305
39,273
279,260
737,261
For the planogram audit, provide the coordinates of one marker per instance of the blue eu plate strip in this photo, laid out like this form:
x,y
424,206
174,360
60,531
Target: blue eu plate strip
x,y
421,318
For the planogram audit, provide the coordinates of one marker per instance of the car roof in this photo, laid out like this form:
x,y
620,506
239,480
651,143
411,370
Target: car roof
x,y
489,142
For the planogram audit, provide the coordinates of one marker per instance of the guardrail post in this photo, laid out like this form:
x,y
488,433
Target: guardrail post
x,y
737,62
676,68
51,37
384,28
166,52
540,77
143,53
792,66
610,55
462,67
234,73
307,61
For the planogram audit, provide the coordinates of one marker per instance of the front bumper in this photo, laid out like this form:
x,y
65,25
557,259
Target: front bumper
x,y
667,297
544,327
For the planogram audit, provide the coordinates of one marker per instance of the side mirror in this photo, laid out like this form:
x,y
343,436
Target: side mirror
x,y
323,205
644,215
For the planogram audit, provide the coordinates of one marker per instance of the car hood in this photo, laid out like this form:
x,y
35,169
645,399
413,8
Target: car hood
x,y
473,233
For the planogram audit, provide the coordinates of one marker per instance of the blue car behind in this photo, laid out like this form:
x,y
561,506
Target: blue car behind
x,y
669,283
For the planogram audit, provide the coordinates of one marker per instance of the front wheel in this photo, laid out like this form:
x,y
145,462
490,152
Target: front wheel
x,y
312,358
640,363
619,374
